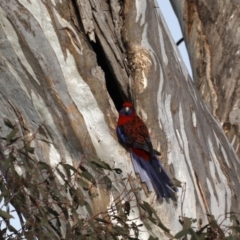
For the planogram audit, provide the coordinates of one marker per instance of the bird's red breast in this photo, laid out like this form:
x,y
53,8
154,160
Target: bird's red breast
x,y
122,120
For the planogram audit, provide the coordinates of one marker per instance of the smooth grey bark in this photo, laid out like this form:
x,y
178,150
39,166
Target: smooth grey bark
x,y
50,76
190,138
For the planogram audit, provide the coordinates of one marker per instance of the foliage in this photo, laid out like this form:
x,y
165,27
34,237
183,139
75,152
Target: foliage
x,y
214,230
55,202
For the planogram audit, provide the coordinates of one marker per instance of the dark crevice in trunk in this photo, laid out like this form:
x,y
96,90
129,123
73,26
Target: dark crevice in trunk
x,y
111,83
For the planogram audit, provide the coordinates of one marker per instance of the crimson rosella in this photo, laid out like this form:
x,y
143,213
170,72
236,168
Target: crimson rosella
x,y
133,132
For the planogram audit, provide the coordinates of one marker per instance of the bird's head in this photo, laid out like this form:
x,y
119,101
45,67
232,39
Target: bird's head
x,y
127,109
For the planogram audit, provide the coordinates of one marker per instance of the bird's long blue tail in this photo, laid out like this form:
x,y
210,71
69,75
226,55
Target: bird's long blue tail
x,y
153,174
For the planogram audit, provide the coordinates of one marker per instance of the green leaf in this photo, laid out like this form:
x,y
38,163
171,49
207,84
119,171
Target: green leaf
x,y
61,174
102,220
14,140
9,161
106,180
100,164
84,184
75,215
187,222
32,199
43,165
127,208
182,233
57,230
193,234
235,228
5,215
88,207
11,135
41,217
148,226
8,123
194,220
12,229
120,211
66,169
147,208
2,233
64,210
199,232
55,195
55,213
215,225
22,198
26,155
118,170
158,223
77,196
233,217
87,175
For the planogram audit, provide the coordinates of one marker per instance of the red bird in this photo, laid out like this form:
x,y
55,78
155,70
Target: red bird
x,y
132,131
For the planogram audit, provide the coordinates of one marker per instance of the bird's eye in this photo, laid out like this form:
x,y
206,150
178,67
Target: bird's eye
x,y
126,109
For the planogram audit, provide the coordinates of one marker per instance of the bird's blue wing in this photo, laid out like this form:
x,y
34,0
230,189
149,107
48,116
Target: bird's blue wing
x,y
121,134
153,174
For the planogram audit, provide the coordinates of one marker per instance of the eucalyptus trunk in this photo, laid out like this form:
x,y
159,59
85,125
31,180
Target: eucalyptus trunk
x,y
66,69
211,32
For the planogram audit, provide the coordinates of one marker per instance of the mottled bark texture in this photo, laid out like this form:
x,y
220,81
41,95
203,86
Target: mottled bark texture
x,y
191,140
212,31
50,77
68,65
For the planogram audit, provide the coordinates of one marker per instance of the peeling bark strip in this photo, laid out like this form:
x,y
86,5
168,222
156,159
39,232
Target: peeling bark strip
x,y
188,143
203,68
85,11
211,30
102,20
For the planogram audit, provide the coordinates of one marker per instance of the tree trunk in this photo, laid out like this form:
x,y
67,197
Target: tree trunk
x,y
66,69
211,31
